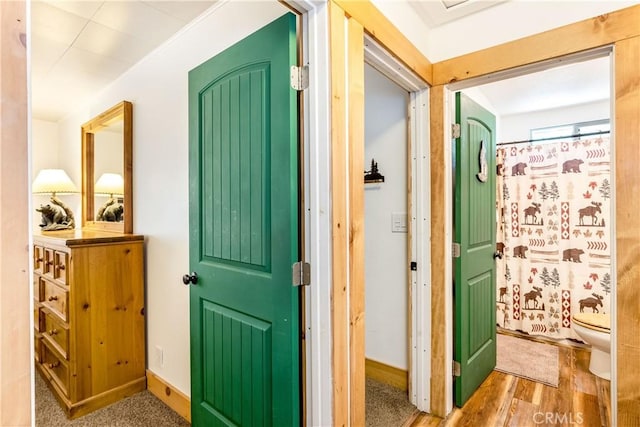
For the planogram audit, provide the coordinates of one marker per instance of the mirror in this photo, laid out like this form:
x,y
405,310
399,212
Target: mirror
x,y
107,145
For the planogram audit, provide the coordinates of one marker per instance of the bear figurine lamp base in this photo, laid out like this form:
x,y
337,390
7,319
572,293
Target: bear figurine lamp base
x,y
55,215
110,184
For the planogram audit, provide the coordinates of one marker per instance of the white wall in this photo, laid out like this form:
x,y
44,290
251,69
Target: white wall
x,y
45,144
158,88
386,258
516,127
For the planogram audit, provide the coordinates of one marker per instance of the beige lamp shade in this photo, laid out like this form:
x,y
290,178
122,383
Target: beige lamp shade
x,y
109,184
54,181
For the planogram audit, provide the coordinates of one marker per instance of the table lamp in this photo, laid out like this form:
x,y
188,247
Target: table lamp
x,y
112,185
55,215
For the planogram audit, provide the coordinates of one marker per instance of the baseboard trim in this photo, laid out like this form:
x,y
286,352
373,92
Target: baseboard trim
x,y
387,374
171,396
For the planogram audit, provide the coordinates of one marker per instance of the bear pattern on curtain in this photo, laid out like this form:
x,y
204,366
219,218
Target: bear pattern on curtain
x,y
554,203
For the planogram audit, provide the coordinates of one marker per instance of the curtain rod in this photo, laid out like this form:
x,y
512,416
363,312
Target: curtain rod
x,y
602,132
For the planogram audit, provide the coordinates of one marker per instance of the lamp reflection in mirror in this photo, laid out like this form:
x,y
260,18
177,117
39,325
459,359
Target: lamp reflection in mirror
x,y
111,185
55,215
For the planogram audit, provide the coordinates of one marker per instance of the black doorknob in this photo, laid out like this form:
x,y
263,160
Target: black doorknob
x,y
190,278
497,254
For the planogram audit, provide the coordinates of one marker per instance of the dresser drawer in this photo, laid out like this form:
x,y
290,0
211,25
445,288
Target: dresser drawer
x,y
47,267
60,266
37,319
55,265
56,334
55,298
37,289
38,259
55,367
37,348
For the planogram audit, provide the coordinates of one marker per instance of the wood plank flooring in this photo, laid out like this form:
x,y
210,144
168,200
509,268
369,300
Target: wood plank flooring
x,y
505,400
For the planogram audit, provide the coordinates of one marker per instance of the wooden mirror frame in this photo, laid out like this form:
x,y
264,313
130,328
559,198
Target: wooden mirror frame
x,y
121,111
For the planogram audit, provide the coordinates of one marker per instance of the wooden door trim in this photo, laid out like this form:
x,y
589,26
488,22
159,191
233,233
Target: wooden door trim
x,y
16,362
620,29
384,32
627,226
340,233
588,34
440,247
348,22
355,88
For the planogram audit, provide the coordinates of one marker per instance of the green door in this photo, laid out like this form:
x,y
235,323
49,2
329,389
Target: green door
x,y
243,221
475,231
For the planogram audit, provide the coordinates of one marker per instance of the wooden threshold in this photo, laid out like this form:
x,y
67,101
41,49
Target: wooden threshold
x,y
171,396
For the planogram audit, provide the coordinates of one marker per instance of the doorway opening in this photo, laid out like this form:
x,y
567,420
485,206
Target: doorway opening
x,y
387,255
536,299
396,237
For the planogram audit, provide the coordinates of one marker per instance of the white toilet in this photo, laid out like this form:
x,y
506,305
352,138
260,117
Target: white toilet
x,y
595,329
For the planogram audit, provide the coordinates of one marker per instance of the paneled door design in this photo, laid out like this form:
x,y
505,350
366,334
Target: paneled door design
x,y
243,214
475,231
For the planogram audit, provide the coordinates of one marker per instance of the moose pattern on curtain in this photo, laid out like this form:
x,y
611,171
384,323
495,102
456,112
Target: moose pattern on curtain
x,y
553,202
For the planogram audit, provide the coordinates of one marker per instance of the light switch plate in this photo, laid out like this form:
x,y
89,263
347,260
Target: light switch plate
x,y
398,222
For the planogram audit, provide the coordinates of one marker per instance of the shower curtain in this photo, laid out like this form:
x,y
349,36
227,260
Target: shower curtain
x,y
553,202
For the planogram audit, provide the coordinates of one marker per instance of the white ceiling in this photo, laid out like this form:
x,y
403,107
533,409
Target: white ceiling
x,y
562,86
79,47
573,84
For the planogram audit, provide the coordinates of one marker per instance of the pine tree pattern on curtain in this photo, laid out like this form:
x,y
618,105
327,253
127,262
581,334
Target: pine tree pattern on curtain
x,y
554,204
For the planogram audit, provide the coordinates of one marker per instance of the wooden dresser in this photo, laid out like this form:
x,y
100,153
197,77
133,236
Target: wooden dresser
x,y
89,316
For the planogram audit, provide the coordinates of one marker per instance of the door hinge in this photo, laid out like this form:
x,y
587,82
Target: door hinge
x,y
455,130
455,249
414,266
456,369
301,274
299,77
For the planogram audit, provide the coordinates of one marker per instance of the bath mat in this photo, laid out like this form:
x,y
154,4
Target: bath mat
x,y
527,359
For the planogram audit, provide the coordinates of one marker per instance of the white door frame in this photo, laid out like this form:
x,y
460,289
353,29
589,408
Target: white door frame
x,y
317,211
317,214
420,295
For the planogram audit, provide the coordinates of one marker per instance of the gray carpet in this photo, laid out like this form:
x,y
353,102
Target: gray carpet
x,y
386,406
140,410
